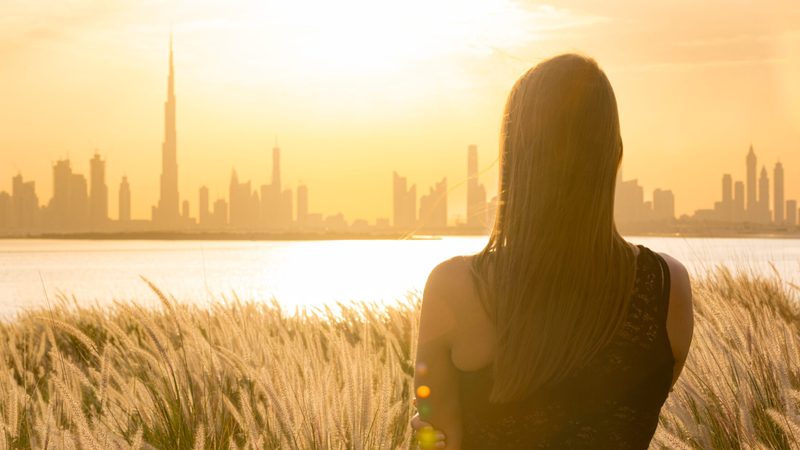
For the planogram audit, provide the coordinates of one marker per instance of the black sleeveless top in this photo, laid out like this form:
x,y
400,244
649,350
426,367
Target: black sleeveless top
x,y
611,403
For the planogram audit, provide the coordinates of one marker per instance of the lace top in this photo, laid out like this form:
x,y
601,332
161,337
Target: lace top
x,y
613,402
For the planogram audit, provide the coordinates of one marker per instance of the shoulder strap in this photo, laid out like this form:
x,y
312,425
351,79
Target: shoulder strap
x,y
665,286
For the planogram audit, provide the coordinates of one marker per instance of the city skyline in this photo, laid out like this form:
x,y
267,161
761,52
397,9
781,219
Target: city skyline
x,y
691,93
76,206
756,200
80,204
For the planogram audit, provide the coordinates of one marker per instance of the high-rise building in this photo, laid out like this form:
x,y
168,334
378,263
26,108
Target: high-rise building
x,y
78,202
752,204
727,188
738,201
777,179
404,203
286,212
276,167
202,205
273,211
58,209
166,214
302,205
98,196
69,207
219,217
791,213
433,206
476,193
254,211
25,204
763,197
629,203
124,201
185,209
242,212
663,205
726,206
6,211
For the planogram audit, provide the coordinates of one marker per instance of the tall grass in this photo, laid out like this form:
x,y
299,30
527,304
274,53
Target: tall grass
x,y
247,375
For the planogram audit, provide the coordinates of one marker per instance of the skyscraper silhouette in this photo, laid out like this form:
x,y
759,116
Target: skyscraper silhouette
x,y
727,198
24,203
98,194
78,209
273,199
58,209
203,212
124,201
6,211
219,218
663,205
763,197
276,167
791,212
727,188
433,206
244,208
738,201
166,214
629,205
286,212
476,193
404,203
185,209
778,182
302,205
752,208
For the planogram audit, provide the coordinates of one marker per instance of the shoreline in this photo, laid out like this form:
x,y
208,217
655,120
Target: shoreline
x,y
317,236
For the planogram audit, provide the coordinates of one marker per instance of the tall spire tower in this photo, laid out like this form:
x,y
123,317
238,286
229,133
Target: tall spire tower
x,y
167,213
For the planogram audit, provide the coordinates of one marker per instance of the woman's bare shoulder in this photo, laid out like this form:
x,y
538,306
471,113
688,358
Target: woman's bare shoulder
x,y
444,286
680,312
450,275
450,284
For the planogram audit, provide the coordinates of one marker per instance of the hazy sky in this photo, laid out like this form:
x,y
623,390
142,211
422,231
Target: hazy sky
x,y
355,89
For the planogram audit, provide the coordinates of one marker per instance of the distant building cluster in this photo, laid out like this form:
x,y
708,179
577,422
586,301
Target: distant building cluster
x,y
630,208
80,205
432,214
752,203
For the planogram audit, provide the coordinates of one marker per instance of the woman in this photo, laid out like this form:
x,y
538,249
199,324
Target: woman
x,y
559,333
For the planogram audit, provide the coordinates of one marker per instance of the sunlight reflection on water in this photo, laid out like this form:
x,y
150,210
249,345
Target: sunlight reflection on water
x,y
296,273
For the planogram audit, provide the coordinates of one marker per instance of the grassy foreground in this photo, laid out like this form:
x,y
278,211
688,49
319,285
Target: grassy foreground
x,y
245,375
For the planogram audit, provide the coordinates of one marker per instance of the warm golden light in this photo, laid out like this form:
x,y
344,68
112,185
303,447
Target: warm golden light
x,y
423,391
355,89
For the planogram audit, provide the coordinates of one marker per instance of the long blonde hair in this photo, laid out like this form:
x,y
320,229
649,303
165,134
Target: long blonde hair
x,y
555,276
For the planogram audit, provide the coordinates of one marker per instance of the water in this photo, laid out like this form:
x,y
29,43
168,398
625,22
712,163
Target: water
x,y
296,273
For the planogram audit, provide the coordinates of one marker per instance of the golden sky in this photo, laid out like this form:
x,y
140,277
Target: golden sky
x,y
355,89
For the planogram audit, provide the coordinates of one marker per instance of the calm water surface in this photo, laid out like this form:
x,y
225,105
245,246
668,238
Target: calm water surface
x,y
296,273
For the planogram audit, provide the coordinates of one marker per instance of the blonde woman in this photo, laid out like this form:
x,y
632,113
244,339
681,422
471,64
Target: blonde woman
x,y
559,333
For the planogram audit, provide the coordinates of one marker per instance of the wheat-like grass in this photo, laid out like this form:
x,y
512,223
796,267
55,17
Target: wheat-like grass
x,y
245,375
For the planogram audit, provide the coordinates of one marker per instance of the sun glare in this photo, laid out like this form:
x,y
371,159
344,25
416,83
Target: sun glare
x,y
359,38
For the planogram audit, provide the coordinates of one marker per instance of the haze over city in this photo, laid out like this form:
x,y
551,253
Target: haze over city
x,y
386,92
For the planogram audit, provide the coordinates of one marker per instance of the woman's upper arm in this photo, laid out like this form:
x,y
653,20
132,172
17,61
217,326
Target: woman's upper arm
x,y
436,378
680,314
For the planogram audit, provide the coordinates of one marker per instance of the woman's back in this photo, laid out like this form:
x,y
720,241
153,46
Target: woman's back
x,y
612,402
562,305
